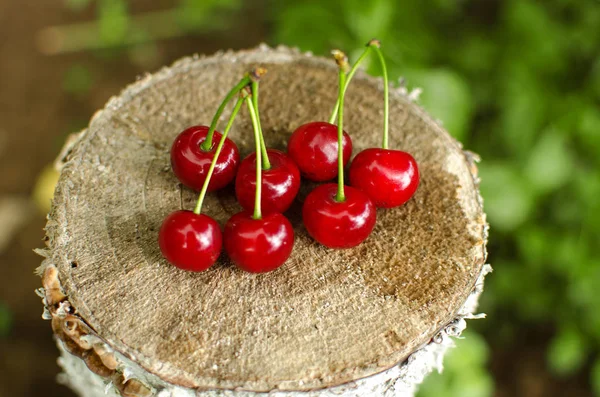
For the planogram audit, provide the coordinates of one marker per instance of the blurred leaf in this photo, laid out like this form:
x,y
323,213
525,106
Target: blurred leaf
x,y
464,374
113,20
536,38
367,20
507,195
595,377
533,243
523,105
77,5
446,96
78,80
550,163
567,352
197,14
589,129
321,28
5,320
43,191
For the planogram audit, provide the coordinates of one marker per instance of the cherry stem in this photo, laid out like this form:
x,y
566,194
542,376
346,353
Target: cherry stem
x,y
256,127
386,93
266,164
211,169
207,144
342,62
350,75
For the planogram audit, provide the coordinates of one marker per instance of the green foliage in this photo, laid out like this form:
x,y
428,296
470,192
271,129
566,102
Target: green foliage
x,y
77,5
464,372
78,80
113,19
5,320
596,377
567,351
517,81
198,14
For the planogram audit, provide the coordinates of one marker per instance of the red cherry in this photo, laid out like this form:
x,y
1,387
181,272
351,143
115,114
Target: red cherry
x,y
258,245
280,183
338,224
388,177
190,163
314,147
190,241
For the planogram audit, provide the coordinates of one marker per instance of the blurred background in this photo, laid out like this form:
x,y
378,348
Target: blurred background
x,y
517,81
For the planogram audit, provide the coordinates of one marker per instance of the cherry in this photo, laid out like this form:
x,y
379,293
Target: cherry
x,y
338,224
190,241
280,183
314,147
388,177
335,215
191,163
258,245
255,242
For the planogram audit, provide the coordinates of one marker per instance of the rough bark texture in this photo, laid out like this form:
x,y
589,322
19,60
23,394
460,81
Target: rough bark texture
x,y
328,319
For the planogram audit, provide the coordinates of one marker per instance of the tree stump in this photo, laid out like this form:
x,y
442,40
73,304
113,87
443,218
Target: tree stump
x,y
372,320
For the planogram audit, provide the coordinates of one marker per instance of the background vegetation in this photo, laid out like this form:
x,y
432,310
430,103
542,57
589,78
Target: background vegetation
x,y
517,81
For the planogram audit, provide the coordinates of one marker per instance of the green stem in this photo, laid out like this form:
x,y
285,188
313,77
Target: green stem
x,y
207,144
386,95
350,75
266,164
234,113
256,127
341,197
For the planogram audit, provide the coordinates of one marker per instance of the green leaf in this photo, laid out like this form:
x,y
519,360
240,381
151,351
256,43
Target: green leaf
x,y
589,128
194,15
464,374
77,5
5,319
368,19
446,96
595,377
78,80
550,163
523,105
311,27
567,351
113,19
508,199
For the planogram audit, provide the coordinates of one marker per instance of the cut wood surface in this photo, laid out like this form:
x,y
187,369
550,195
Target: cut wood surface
x,y
325,318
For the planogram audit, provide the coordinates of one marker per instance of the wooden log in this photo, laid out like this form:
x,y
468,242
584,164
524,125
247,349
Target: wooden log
x,y
372,320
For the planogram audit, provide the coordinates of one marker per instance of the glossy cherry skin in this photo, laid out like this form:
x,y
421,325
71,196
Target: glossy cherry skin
x,y
338,224
190,163
280,183
314,148
258,245
388,177
189,241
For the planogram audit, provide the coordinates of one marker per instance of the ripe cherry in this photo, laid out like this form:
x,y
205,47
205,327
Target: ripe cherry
x,y
258,245
190,241
314,148
338,224
190,162
280,183
335,215
388,177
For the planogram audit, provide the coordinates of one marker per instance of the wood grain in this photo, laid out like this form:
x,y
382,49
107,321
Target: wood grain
x,y
325,318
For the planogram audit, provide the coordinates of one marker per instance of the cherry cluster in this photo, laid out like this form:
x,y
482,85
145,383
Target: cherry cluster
x,y
259,238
